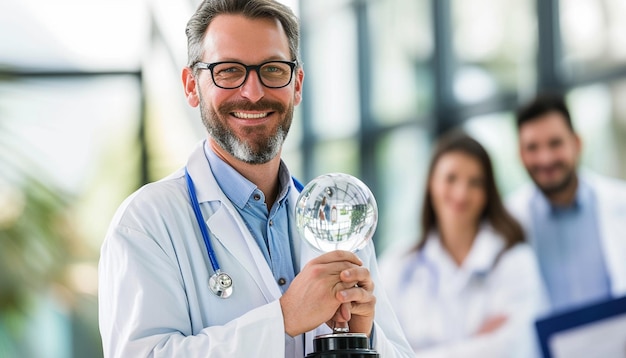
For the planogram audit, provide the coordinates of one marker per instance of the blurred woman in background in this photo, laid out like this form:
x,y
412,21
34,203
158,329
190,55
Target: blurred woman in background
x,y
470,287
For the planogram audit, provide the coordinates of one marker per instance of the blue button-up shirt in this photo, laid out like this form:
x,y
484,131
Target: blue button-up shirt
x,y
569,250
270,228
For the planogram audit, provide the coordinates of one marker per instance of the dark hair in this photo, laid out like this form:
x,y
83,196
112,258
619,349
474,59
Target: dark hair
x,y
544,103
253,9
494,211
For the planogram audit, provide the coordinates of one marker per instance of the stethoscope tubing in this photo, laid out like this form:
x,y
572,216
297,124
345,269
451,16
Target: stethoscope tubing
x,y
220,283
200,218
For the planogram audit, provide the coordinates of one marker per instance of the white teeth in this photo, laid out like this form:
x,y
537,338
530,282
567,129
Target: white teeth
x,y
249,115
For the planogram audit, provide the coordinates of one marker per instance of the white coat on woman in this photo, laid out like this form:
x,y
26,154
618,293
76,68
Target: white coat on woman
x,y
154,298
441,305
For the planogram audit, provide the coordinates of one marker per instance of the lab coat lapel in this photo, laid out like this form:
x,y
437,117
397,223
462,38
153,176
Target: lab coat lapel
x,y
485,249
476,265
228,229
226,226
611,203
303,252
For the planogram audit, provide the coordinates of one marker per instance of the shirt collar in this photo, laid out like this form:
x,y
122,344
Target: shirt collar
x,y
284,179
237,188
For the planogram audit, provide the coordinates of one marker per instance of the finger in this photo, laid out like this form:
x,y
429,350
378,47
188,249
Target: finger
x,y
355,295
357,276
330,270
344,311
492,324
337,256
341,316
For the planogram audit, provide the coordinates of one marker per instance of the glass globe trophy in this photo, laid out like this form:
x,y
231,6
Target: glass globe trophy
x,y
338,212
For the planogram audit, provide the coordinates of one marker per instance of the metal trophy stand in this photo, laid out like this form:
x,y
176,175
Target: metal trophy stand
x,y
338,212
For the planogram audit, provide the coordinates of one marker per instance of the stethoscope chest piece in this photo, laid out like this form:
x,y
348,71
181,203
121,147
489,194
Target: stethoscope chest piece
x,y
221,284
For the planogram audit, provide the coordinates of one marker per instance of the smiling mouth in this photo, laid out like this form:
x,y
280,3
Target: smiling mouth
x,y
552,171
250,115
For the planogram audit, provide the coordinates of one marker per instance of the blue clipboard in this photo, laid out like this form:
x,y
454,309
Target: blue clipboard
x,y
548,327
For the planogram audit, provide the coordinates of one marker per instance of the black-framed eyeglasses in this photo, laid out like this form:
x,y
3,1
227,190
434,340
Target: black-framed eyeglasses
x,y
230,75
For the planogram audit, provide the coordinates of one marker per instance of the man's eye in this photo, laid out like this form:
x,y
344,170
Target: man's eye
x,y
232,70
228,71
555,143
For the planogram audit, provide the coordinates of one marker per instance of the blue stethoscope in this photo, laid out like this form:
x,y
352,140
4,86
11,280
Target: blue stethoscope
x,y
433,272
220,283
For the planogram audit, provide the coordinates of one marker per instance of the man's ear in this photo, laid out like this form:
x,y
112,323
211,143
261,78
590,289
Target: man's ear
x,y
579,144
298,86
189,85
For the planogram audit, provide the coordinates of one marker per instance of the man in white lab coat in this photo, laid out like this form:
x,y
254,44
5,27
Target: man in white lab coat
x,y
156,264
574,219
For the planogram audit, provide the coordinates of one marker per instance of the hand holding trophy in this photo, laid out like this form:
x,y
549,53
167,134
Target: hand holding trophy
x,y
338,212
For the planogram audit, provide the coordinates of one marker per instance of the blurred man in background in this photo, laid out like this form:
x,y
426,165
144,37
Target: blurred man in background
x,y
574,219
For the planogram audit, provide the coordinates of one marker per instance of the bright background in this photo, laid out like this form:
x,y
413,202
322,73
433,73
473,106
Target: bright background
x,y
92,107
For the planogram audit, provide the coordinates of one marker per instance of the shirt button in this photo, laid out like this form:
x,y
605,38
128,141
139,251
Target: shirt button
x,y
282,281
271,223
257,197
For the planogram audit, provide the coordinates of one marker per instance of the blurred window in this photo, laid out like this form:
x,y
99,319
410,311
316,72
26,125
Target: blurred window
x,y
494,43
401,48
594,34
403,154
333,66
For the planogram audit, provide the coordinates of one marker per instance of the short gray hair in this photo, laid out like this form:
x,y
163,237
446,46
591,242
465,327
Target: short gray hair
x,y
253,9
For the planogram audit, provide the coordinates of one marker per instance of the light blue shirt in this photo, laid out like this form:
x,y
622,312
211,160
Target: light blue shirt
x,y
569,250
269,229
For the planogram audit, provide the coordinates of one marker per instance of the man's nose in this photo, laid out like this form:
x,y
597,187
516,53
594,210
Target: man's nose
x,y
544,156
252,88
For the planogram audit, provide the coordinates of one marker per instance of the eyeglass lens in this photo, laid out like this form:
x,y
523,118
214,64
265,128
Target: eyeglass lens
x,y
232,74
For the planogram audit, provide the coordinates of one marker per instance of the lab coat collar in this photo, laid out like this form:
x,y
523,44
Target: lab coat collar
x,y
487,245
481,258
199,169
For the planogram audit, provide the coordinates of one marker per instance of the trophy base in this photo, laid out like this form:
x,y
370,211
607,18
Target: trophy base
x,y
342,345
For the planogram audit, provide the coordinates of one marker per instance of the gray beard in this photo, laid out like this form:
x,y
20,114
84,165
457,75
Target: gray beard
x,y
242,150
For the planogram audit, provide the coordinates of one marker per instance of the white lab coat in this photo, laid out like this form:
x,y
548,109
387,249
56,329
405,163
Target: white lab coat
x,y
154,299
441,305
611,204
